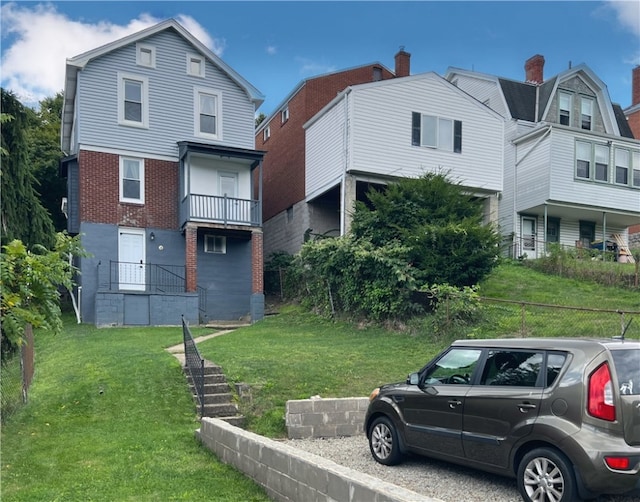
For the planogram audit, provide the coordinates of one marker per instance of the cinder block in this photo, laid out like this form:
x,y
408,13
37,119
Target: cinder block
x,y
324,431
338,487
300,432
313,419
324,405
299,406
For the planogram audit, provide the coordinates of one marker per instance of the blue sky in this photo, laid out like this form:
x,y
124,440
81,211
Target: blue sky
x,y
275,45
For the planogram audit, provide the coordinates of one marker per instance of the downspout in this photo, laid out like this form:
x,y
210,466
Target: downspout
x,y
343,184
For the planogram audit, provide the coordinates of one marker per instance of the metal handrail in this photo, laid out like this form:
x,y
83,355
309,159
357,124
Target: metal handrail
x,y
194,364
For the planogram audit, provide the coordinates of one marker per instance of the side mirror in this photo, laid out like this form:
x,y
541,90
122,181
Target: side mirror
x,y
413,379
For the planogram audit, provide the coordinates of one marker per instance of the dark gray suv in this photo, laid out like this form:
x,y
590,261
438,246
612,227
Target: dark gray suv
x,y
562,416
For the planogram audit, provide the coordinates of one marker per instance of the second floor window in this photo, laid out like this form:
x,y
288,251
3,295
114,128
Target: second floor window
x,y
622,166
436,132
133,101
602,162
207,111
131,180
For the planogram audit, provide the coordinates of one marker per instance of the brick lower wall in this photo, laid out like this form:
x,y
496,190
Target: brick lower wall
x,y
291,475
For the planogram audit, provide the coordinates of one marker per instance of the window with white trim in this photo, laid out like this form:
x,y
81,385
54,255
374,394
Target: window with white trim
x,y
131,180
586,113
266,133
195,65
622,166
564,108
436,132
583,159
207,113
601,162
215,244
636,168
284,115
133,100
146,55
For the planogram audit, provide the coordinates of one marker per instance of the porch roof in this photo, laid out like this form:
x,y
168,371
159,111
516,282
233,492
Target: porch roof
x,y
255,156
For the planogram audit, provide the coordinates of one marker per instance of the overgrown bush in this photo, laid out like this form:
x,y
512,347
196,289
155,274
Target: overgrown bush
x,y
586,265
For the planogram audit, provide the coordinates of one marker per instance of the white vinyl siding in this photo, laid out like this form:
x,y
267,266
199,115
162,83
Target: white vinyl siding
x,y
170,103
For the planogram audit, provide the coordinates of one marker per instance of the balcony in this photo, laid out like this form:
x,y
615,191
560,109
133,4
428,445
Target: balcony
x,y
220,209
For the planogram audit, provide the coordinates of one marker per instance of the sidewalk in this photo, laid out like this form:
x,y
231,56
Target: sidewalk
x,y
178,350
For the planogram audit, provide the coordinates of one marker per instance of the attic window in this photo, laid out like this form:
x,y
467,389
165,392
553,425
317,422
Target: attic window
x,y
284,115
377,73
146,55
266,133
586,106
195,65
565,109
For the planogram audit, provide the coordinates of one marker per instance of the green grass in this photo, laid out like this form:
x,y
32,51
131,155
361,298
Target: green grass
x,y
297,355
110,417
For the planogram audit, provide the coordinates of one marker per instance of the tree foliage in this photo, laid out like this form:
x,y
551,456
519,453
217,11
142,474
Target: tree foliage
x,y
22,215
438,222
30,282
43,136
410,245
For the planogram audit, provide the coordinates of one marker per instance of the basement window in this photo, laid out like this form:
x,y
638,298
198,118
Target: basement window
x,y
215,244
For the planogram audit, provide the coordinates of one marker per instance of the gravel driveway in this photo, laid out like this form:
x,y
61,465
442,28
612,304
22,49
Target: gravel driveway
x,y
442,480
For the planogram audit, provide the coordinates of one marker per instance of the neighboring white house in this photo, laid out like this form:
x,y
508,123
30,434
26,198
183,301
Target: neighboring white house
x,y
571,165
374,133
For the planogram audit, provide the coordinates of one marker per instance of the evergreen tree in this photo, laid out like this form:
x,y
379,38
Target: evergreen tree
x,y
22,216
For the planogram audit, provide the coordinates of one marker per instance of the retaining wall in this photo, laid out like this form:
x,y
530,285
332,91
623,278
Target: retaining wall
x,y
317,418
291,475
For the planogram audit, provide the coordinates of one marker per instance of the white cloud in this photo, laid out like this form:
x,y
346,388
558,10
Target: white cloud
x,y
272,50
309,67
42,39
628,14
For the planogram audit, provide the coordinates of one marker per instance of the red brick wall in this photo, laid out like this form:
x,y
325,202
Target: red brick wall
x,y
257,260
99,192
634,124
191,258
283,165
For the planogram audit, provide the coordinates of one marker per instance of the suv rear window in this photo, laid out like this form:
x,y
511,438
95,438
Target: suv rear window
x,y
627,366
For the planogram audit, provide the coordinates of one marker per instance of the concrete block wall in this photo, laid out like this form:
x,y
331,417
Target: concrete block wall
x,y
317,418
291,475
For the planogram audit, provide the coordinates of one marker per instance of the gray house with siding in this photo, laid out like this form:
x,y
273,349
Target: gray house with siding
x,y
161,171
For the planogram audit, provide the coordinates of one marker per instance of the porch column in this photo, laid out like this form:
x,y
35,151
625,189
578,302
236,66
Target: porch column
x,y
349,200
257,262
191,257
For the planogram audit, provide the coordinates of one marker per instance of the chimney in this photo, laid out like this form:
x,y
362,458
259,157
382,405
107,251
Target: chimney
x,y
533,68
635,86
403,63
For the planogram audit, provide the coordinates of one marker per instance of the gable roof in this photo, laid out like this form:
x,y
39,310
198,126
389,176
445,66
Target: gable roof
x,y
77,63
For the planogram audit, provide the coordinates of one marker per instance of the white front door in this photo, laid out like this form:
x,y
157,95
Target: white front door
x,y
229,188
528,237
131,258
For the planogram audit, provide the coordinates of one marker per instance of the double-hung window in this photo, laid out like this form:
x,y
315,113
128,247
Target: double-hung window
x,y
133,100
565,108
636,169
622,166
131,180
436,132
583,159
602,162
207,114
586,115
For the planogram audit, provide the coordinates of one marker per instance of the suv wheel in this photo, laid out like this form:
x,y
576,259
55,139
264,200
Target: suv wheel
x,y
383,442
545,475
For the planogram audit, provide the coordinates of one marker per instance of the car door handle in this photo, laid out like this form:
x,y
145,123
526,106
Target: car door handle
x,y
524,407
454,402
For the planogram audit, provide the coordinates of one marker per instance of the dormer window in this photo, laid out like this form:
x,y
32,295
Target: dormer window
x,y
565,109
586,115
146,55
195,65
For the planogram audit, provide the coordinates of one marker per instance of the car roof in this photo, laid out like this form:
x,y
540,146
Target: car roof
x,y
550,343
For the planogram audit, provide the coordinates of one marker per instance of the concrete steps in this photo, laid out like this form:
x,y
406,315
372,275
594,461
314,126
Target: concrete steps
x,y
218,398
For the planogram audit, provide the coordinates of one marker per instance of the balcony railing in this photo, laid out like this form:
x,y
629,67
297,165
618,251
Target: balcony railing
x,y
221,209
148,277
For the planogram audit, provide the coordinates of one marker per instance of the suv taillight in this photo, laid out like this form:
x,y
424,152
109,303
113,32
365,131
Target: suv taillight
x,y
600,404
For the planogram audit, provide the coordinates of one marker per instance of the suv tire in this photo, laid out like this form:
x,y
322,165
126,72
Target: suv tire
x,y
545,474
383,442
